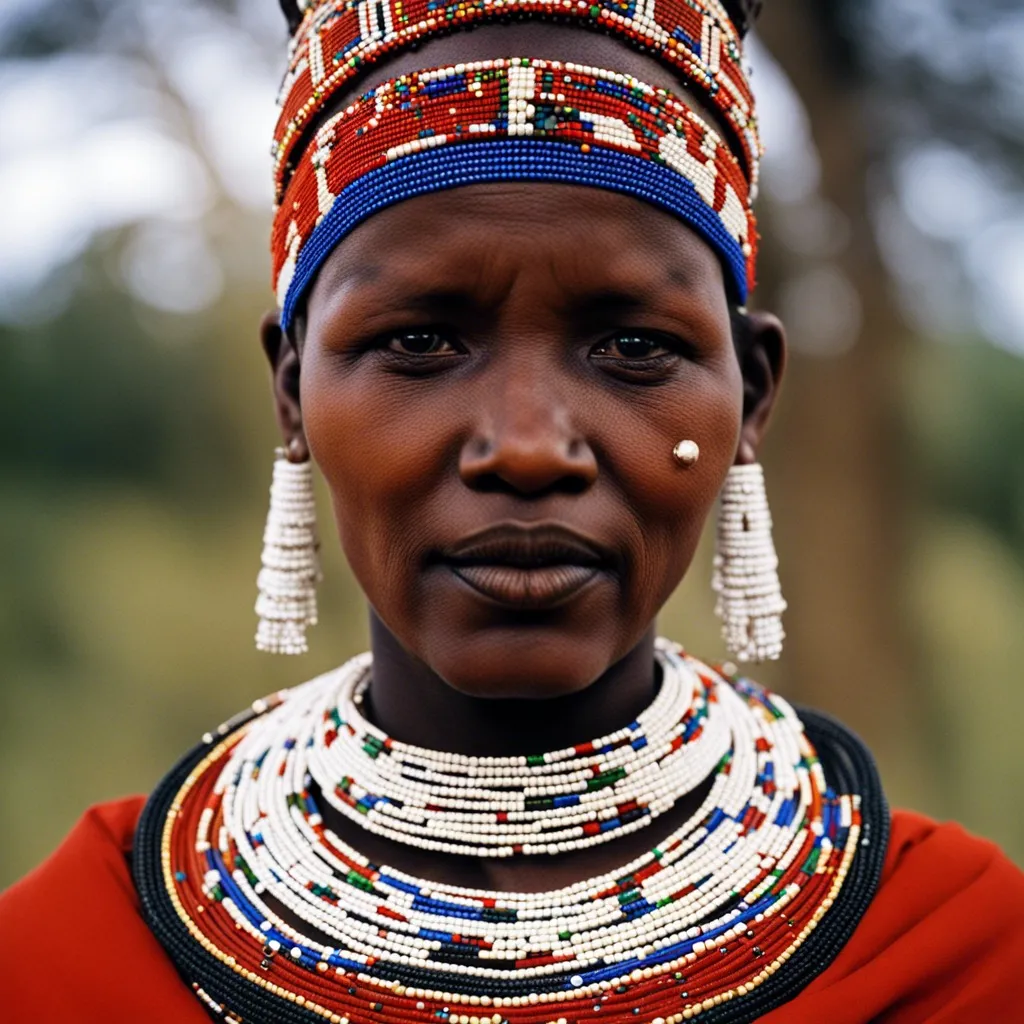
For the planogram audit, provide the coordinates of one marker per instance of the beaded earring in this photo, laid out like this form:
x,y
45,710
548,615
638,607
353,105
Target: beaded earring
x,y
286,603
746,578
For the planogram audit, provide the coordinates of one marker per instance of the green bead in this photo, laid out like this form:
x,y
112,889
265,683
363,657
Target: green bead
x,y
358,881
539,803
606,779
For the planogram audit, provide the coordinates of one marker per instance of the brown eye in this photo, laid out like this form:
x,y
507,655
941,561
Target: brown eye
x,y
631,347
421,343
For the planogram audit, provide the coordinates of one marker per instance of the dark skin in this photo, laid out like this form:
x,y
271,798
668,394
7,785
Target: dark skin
x,y
525,355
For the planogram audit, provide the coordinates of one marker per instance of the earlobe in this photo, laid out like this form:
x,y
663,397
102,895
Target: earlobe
x,y
285,368
761,348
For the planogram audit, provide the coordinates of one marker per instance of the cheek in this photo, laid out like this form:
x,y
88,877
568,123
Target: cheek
x,y
671,502
381,456
389,452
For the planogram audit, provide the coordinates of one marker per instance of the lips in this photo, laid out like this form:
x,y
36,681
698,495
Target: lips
x,y
527,567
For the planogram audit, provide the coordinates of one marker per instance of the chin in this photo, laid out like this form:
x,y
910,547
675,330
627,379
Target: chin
x,y
524,663
484,650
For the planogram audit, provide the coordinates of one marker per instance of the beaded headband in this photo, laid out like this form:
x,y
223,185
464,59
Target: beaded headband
x,y
515,119
337,39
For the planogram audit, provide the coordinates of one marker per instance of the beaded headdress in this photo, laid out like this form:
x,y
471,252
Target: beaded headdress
x,y
515,119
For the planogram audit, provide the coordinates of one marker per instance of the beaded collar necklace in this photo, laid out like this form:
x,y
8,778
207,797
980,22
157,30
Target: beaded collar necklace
x,y
503,806
730,915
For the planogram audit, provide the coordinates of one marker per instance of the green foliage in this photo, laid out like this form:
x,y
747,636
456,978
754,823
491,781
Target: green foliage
x,y
966,583
131,512
98,399
969,409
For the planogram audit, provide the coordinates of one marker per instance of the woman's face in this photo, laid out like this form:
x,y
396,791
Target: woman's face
x,y
493,380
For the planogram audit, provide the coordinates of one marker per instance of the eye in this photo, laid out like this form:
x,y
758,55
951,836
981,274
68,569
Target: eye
x,y
633,348
421,343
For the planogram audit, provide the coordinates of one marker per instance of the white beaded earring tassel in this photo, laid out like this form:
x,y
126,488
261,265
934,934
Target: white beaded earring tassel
x,y
746,577
286,603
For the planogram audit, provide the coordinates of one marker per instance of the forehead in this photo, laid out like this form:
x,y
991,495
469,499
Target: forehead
x,y
566,242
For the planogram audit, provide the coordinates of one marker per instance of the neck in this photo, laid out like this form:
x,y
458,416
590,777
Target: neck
x,y
411,703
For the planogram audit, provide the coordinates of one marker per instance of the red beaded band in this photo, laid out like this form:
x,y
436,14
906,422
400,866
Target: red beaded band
x,y
339,38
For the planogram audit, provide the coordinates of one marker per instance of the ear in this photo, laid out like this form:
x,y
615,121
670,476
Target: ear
x,y
761,346
284,367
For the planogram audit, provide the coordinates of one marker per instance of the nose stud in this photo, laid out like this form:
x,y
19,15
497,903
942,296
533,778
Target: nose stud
x,y
686,452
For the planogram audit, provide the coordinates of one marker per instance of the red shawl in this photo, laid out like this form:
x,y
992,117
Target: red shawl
x,y
943,940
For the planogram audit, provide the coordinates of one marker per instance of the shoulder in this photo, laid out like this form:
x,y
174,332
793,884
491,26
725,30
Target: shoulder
x,y
96,847
920,844
942,941
81,902
941,875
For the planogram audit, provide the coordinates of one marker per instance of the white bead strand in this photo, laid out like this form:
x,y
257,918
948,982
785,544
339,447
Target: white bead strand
x,y
286,603
746,577
487,807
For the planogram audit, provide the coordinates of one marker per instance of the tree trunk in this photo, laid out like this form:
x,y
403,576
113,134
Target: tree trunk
x,y
838,453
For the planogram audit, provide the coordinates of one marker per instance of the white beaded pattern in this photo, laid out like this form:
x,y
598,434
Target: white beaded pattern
x,y
286,603
746,576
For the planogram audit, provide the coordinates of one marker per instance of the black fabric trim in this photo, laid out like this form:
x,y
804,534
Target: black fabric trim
x,y
293,16
743,13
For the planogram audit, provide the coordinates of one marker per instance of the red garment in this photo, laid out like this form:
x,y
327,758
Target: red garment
x,y
942,942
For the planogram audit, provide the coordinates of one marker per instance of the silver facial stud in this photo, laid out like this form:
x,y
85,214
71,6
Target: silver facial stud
x,y
686,452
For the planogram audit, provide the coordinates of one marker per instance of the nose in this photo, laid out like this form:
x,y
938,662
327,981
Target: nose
x,y
526,443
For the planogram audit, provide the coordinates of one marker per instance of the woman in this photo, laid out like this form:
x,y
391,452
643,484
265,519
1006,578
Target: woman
x,y
511,266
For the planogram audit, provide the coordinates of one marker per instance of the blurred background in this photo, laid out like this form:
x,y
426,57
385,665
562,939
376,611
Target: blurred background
x,y
138,434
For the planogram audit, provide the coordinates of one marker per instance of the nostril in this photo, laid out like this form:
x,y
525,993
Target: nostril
x,y
491,483
479,448
498,483
574,484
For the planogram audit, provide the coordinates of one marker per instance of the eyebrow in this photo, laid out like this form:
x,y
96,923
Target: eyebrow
x,y
425,294
428,298
604,300
421,297
444,297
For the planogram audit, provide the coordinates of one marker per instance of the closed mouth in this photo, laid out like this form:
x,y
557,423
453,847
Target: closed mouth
x,y
527,566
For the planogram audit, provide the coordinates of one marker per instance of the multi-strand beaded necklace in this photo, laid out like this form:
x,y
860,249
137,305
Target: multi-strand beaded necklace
x,y
502,806
728,916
